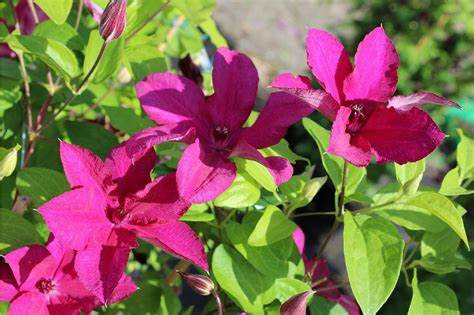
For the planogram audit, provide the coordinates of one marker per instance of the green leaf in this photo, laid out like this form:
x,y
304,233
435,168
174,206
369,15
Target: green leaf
x,y
210,28
285,288
441,244
441,265
464,154
91,136
444,209
243,192
110,60
283,149
299,191
196,10
57,10
143,60
56,55
409,175
66,34
432,298
373,252
40,184
126,120
16,232
257,171
198,213
139,11
239,279
272,227
8,160
321,306
412,217
451,184
278,260
333,164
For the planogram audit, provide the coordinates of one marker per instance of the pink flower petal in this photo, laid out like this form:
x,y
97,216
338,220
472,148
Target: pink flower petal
x,y
29,303
279,168
82,167
375,72
130,174
401,136
299,239
296,305
149,137
101,268
123,290
353,150
407,102
300,86
77,217
25,17
349,304
235,81
160,201
169,98
203,175
29,264
8,285
94,9
281,111
329,62
178,239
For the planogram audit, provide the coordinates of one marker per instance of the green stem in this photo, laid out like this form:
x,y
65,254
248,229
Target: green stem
x,y
340,203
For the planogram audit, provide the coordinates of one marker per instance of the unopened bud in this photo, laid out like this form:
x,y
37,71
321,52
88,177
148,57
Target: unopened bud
x,y
200,284
113,20
296,305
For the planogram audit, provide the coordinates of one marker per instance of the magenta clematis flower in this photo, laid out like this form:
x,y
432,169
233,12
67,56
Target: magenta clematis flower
x,y
213,125
323,286
111,204
40,280
367,119
26,22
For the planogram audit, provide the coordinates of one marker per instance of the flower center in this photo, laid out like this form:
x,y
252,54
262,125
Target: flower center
x,y
45,285
221,133
358,117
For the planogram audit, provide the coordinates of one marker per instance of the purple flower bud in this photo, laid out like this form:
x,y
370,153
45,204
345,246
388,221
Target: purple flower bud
x,y
296,305
200,284
113,20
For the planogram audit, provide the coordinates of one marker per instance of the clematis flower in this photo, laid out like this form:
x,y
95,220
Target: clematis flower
x,y
367,118
26,22
323,286
42,280
213,125
111,204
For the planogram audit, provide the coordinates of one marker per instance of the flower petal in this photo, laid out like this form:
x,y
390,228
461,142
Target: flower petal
x,y
407,102
25,17
94,9
279,167
281,111
202,175
8,285
349,304
82,167
352,149
375,72
77,217
29,264
101,268
29,303
401,136
169,98
329,62
235,81
159,200
300,86
296,305
130,174
147,138
178,239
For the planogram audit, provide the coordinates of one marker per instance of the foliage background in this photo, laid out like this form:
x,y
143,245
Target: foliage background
x,y
434,40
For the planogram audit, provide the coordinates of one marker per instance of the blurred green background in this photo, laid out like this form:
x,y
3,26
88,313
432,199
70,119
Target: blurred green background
x,y
435,42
